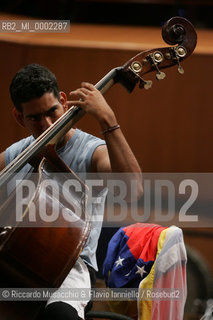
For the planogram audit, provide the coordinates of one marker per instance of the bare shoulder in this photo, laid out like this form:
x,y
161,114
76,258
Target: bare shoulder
x,y
100,160
2,160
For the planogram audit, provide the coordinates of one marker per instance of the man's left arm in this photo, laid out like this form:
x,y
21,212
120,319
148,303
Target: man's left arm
x,y
116,156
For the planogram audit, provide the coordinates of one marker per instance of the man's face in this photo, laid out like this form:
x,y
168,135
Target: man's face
x,y
40,113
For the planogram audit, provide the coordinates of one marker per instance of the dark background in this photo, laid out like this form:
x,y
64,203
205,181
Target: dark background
x,y
126,12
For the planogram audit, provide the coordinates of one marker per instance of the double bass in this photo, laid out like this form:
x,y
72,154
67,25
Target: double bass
x,y
42,256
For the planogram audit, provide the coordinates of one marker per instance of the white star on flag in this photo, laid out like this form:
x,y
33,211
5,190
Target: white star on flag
x,y
141,271
119,262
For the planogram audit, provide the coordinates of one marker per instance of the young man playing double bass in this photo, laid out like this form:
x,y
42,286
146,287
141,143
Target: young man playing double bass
x,y
38,103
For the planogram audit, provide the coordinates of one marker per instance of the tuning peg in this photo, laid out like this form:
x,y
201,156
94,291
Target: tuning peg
x,y
146,84
179,52
156,58
136,67
160,75
180,69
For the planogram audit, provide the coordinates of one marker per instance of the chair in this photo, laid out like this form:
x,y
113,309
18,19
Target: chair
x,y
160,256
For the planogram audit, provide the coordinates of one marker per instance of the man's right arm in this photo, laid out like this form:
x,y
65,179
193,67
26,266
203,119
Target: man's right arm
x,y
2,160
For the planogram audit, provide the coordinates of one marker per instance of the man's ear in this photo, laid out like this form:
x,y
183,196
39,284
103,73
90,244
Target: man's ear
x,y
19,117
63,100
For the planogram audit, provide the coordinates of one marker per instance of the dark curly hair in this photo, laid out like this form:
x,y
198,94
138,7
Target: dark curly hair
x,y
32,82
